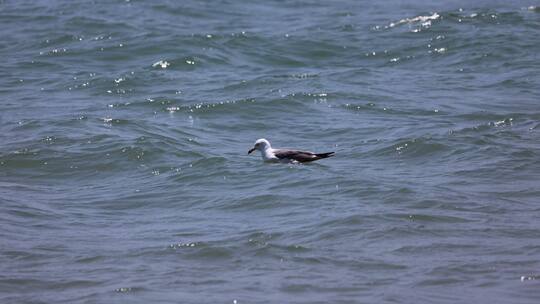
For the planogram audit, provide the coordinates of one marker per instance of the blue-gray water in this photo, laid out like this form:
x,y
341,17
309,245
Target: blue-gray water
x,y
125,125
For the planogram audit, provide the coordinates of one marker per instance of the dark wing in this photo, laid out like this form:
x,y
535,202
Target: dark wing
x,y
300,156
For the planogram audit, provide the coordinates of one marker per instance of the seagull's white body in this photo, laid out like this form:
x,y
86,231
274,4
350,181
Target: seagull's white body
x,y
269,154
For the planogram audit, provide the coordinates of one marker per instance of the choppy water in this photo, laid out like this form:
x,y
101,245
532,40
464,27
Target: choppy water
x,y
125,126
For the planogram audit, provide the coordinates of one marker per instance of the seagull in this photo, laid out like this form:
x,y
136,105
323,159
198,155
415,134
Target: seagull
x,y
285,155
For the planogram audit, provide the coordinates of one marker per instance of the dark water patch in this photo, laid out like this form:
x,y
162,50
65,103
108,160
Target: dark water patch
x,y
29,213
90,259
363,264
19,255
423,218
387,110
134,195
281,252
98,24
448,281
258,202
286,249
435,248
346,221
21,284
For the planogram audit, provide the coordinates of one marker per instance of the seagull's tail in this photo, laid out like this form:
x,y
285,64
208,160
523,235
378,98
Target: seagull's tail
x,y
324,155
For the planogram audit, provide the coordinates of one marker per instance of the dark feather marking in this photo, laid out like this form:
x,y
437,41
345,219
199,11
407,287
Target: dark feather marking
x,y
301,156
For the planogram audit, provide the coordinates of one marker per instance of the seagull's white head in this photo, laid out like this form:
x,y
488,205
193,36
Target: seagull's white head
x,y
261,145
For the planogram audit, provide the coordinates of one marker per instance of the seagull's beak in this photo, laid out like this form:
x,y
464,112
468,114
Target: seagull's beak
x,y
251,150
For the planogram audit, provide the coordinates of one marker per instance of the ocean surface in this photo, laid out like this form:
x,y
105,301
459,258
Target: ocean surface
x,y
125,126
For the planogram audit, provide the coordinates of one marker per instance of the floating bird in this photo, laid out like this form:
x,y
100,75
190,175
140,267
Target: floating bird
x,y
286,155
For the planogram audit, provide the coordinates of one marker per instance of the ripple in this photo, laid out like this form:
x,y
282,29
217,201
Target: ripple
x,y
423,21
162,64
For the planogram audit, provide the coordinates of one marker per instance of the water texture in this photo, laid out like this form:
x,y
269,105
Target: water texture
x,y
125,126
